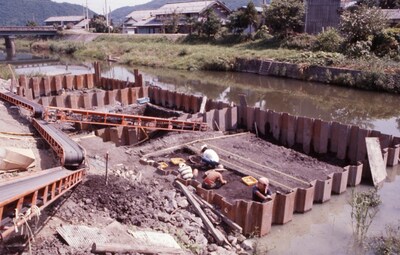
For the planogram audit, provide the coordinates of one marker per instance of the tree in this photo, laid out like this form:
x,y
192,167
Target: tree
x,y
384,4
361,23
31,23
99,23
237,22
172,24
285,17
251,15
210,24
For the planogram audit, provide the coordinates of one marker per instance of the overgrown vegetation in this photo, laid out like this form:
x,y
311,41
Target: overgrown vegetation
x,y
364,207
5,72
387,243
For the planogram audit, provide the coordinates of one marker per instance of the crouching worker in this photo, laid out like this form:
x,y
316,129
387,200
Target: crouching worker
x,y
213,180
210,157
186,171
261,191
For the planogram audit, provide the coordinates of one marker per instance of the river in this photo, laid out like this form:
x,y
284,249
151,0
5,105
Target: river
x,y
326,229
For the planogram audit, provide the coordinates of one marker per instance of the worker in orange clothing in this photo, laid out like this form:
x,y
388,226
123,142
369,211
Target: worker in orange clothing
x,y
213,179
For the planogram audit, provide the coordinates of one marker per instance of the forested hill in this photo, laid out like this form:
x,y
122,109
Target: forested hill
x,y
119,14
18,12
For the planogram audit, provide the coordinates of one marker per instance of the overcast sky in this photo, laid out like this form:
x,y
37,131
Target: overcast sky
x,y
99,5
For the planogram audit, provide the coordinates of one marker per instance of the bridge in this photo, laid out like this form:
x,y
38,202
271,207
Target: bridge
x,y
9,33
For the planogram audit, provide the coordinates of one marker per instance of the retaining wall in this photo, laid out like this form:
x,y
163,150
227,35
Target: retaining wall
x,y
332,75
121,136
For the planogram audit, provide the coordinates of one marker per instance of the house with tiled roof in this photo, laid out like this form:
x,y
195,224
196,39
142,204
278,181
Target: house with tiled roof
x,y
77,22
155,21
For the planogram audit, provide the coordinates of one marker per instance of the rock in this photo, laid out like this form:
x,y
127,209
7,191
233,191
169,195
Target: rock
x,y
241,238
248,245
212,247
88,201
164,217
182,203
233,240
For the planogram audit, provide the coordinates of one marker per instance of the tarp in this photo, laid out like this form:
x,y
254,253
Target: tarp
x,y
16,159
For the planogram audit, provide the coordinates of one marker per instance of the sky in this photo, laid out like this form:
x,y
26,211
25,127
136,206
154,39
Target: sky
x,y
98,6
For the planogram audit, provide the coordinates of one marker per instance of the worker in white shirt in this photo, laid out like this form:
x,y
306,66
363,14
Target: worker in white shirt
x,y
210,157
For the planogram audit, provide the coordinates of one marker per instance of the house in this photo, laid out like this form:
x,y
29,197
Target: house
x,y
183,13
75,22
392,15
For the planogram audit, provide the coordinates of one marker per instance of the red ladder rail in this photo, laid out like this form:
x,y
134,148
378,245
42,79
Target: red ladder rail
x,y
39,194
53,114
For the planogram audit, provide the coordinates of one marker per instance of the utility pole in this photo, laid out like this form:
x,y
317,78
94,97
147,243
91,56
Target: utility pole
x,y
87,16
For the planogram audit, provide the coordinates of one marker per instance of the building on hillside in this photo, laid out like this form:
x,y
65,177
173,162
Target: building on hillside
x,y
392,15
73,22
321,14
156,21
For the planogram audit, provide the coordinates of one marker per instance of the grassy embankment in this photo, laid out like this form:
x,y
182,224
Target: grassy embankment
x,y
163,51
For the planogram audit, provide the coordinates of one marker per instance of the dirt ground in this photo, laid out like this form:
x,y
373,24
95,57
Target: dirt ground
x,y
137,196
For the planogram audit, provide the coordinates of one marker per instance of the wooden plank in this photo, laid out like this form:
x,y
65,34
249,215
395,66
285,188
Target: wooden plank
x,y
219,237
377,166
133,248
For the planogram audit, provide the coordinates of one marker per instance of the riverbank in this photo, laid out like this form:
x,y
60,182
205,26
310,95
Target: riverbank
x,y
174,52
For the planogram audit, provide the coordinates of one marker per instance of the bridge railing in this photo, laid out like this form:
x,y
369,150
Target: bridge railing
x,y
26,28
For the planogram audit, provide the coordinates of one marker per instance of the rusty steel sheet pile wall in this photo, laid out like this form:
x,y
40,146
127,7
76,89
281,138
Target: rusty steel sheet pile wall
x,y
98,98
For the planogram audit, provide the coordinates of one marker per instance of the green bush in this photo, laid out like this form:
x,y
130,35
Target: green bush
x,y
385,44
300,42
359,49
68,48
263,33
329,40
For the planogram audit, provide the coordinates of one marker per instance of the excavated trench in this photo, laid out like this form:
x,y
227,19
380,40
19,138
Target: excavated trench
x,y
297,180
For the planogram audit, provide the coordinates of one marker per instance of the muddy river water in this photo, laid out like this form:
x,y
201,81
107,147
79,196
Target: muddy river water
x,y
327,228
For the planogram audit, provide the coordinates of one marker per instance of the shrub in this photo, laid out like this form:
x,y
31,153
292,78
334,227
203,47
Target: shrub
x,y
358,49
386,43
263,33
300,42
388,243
329,40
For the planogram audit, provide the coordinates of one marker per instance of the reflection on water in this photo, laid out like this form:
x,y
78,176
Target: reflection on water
x,y
370,110
22,58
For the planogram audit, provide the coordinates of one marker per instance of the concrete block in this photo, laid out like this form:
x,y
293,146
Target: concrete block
x,y
283,207
304,199
321,136
222,119
323,189
344,134
307,134
47,85
361,146
69,82
276,125
334,137
340,180
36,87
250,117
393,155
355,174
353,144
